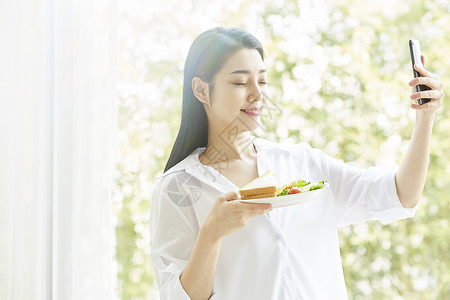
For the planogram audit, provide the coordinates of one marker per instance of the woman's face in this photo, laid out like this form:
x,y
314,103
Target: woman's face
x,y
237,96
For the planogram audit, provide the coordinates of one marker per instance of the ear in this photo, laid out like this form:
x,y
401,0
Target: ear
x,y
201,90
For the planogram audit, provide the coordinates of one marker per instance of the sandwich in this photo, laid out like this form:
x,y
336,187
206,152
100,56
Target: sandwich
x,y
265,186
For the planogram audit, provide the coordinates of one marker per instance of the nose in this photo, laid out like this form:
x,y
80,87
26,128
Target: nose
x,y
255,93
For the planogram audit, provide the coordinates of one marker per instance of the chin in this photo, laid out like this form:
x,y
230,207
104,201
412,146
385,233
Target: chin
x,y
243,123
251,124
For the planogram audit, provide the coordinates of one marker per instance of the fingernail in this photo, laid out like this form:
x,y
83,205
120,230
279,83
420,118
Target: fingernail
x,y
411,83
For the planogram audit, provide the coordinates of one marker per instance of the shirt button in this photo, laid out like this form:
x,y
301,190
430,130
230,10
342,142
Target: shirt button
x,y
159,263
287,270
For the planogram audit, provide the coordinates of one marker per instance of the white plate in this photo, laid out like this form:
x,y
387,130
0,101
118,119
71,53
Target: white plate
x,y
288,200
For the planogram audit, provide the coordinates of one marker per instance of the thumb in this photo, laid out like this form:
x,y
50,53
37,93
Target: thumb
x,y
229,196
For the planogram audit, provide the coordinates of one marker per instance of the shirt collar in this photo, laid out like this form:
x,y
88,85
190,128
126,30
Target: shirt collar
x,y
192,165
182,164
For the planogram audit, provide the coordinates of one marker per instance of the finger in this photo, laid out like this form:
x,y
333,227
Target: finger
x,y
257,212
428,81
433,94
432,105
424,72
254,207
422,58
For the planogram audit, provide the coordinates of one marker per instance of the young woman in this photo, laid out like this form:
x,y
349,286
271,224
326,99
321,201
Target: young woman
x,y
205,245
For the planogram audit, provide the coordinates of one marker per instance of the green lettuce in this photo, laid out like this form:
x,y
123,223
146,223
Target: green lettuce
x,y
317,186
283,192
301,183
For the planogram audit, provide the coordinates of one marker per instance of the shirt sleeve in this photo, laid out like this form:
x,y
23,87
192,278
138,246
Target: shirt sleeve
x,y
173,238
362,194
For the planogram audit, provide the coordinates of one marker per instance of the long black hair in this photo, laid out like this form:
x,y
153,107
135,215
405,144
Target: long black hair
x,y
206,57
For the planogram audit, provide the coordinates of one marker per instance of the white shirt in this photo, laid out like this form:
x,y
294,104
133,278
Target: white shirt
x,y
289,253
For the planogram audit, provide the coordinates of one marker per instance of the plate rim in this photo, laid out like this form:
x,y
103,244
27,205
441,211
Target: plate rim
x,y
258,201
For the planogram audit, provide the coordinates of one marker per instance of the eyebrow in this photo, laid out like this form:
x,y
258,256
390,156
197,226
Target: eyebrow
x,y
246,71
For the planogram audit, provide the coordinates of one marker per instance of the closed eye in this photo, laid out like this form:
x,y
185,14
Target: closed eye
x,y
244,84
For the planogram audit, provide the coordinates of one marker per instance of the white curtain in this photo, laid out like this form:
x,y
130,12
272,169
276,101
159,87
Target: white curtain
x,y
57,138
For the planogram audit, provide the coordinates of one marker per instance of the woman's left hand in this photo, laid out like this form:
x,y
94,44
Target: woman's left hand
x,y
436,94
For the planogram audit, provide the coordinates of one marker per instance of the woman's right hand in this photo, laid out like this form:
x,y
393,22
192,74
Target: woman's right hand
x,y
227,216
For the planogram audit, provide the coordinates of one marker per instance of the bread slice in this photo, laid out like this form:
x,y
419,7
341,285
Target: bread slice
x,y
259,196
263,187
259,191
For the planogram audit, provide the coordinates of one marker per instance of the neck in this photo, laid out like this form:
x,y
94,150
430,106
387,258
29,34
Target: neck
x,y
228,146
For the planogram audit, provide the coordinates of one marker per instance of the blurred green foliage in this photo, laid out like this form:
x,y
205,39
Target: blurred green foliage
x,y
339,71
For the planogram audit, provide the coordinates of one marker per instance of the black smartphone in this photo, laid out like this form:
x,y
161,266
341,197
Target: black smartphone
x,y
414,50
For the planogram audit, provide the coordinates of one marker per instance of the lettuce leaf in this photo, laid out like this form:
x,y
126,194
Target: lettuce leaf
x,y
283,192
317,186
301,183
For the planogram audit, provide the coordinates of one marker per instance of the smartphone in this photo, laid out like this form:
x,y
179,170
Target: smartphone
x,y
414,50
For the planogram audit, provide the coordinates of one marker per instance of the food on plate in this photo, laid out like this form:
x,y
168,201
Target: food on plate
x,y
299,186
294,190
265,186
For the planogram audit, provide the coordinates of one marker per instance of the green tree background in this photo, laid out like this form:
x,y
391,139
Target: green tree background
x,y
339,70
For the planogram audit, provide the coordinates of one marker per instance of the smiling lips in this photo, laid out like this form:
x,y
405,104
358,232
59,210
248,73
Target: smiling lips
x,y
254,111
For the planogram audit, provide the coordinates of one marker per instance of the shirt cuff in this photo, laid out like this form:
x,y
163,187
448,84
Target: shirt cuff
x,y
172,287
169,280
393,210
